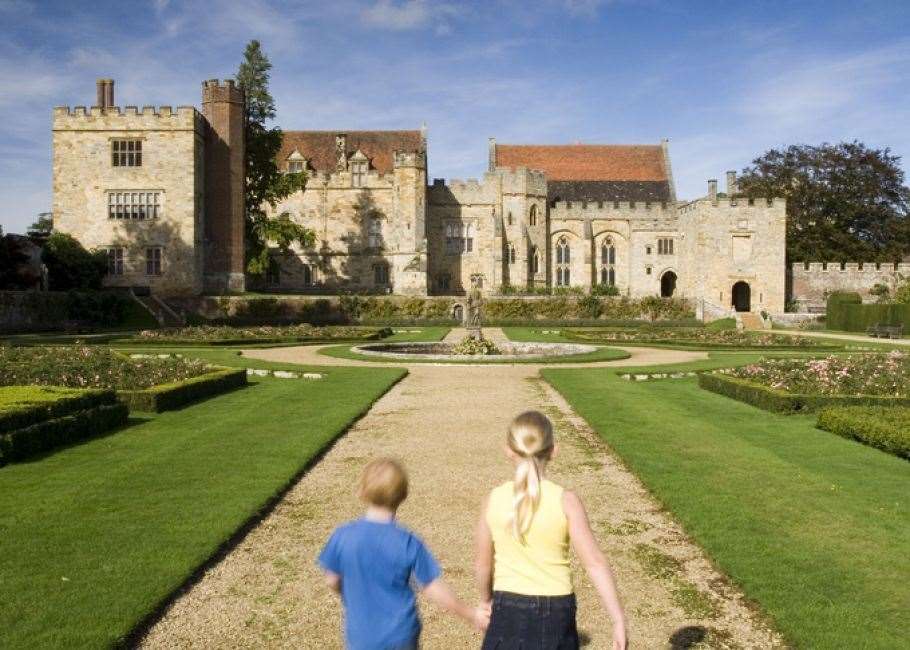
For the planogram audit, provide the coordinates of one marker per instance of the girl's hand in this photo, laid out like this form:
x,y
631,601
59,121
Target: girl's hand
x,y
620,642
482,616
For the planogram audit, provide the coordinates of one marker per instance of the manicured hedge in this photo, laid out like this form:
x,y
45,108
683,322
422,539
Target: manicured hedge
x,y
166,397
22,406
846,312
886,428
780,401
30,431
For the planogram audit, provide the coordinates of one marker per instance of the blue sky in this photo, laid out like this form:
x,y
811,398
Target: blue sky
x,y
724,81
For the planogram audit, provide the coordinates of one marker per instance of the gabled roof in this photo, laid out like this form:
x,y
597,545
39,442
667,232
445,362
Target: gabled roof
x,y
594,172
318,147
587,162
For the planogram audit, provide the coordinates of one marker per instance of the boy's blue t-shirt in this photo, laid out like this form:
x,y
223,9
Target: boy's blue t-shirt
x,y
376,562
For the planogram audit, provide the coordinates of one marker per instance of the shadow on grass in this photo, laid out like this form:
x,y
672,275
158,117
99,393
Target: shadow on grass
x,y
687,637
134,638
132,421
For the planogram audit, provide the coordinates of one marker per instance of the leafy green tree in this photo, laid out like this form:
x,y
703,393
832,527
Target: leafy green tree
x,y
70,266
845,201
265,184
902,291
44,224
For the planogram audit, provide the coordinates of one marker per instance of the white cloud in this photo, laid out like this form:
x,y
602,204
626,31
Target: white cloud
x,y
388,14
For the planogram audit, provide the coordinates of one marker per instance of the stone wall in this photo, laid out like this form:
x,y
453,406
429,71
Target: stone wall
x,y
83,174
811,282
726,242
340,214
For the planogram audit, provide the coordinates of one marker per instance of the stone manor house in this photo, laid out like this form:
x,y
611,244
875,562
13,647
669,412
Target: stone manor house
x,y
161,189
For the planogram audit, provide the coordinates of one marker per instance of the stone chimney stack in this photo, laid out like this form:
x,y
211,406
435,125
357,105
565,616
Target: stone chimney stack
x,y
104,93
492,161
341,152
712,190
732,189
223,105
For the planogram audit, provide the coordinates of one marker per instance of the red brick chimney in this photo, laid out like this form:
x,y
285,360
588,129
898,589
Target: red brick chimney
x,y
223,106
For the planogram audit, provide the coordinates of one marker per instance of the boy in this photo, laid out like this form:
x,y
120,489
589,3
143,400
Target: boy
x,y
371,562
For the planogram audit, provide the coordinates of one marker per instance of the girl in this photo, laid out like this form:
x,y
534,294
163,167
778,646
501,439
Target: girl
x,y
522,551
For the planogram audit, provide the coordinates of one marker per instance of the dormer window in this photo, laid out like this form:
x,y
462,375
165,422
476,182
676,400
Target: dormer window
x,y
359,166
296,163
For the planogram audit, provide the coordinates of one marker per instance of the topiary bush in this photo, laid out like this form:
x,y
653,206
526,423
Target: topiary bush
x,y
887,429
166,397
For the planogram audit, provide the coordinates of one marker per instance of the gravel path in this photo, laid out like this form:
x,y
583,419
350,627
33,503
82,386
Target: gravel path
x,y
447,424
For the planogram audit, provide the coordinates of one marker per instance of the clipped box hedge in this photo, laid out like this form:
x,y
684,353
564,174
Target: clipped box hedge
x,y
41,425
166,397
886,428
781,401
846,312
22,406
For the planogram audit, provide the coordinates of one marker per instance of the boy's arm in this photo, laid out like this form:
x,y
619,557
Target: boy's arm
x,y
443,597
333,580
595,564
483,556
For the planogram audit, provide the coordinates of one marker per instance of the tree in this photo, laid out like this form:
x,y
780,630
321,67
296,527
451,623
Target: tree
x,y
70,266
265,184
44,225
845,202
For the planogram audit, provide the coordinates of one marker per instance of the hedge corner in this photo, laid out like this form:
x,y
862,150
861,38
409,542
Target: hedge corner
x,y
167,397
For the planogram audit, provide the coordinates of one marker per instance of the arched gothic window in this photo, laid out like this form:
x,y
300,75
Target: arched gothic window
x,y
510,218
608,263
510,254
562,262
532,216
533,261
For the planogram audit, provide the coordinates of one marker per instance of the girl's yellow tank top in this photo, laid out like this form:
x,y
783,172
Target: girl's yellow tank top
x,y
538,566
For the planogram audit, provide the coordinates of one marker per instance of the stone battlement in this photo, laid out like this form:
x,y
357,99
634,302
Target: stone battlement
x,y
612,210
115,118
374,179
520,180
487,191
726,203
851,267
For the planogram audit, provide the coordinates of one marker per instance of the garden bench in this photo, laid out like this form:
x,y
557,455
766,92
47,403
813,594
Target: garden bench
x,y
881,330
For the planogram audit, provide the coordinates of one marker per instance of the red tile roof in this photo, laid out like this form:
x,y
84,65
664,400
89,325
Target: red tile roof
x,y
587,162
318,147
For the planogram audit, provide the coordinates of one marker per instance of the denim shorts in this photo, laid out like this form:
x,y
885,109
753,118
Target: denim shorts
x,y
531,623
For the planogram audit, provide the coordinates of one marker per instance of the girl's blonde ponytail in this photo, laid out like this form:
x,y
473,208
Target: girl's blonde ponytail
x,y
530,437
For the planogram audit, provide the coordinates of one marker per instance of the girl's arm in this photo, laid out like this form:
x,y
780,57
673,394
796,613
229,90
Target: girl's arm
x,y
442,595
333,581
483,556
595,564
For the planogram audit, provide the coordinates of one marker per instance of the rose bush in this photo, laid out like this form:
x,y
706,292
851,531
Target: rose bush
x,y
699,335
304,331
470,345
91,367
886,375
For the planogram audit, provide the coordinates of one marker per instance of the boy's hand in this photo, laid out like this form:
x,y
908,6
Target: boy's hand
x,y
482,616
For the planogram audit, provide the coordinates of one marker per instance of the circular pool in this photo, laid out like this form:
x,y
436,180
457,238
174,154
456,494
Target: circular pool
x,y
443,351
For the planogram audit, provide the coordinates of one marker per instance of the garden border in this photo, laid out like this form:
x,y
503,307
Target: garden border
x,y
779,401
173,395
859,423
102,413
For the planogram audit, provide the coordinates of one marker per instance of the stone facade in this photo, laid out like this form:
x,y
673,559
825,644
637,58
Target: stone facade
x,y
158,201
812,282
566,216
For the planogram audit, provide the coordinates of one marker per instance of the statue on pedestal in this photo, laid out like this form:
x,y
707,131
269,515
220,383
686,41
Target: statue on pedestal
x,y
474,319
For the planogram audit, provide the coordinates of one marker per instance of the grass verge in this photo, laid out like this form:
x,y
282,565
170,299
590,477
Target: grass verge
x,y
811,526
96,537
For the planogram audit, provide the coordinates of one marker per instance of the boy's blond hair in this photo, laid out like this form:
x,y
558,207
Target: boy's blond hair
x,y
384,483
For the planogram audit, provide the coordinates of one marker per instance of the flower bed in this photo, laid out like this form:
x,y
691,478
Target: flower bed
x,y
35,419
226,335
793,385
475,346
701,337
91,367
887,429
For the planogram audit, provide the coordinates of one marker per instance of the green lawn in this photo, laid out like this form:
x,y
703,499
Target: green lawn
x,y
95,536
813,527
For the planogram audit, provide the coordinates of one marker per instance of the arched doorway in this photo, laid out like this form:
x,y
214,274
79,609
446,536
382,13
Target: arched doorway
x,y
667,284
458,313
742,296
